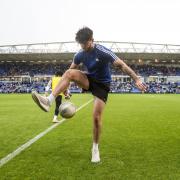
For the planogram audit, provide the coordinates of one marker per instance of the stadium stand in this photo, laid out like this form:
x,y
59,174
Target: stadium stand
x,y
30,66
36,77
12,69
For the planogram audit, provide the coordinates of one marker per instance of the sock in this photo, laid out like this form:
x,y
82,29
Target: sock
x,y
51,98
95,146
55,117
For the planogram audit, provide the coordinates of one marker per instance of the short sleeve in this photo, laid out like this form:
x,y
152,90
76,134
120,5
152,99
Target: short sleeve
x,y
107,54
77,59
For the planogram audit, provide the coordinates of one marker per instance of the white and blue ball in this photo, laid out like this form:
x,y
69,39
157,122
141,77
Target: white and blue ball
x,y
67,110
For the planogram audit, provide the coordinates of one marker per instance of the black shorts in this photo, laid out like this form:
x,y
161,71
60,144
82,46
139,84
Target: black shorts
x,y
98,89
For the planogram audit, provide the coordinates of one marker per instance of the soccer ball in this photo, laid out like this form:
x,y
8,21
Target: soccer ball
x,y
67,110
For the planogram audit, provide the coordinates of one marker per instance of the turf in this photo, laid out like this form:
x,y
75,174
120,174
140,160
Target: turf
x,y
140,139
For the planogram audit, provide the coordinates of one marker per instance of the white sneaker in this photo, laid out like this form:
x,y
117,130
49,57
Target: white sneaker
x,y
55,121
95,156
41,101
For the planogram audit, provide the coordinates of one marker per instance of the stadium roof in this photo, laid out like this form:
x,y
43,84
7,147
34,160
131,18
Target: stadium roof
x,y
64,51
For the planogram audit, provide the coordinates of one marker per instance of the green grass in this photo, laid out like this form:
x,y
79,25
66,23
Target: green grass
x,y
140,139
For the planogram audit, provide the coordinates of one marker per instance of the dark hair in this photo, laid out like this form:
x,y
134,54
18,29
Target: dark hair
x,y
58,73
83,35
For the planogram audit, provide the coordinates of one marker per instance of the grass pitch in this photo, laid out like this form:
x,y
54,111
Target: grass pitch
x,y
140,139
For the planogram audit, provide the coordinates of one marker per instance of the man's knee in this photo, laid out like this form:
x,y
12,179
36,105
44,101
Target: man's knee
x,y
70,74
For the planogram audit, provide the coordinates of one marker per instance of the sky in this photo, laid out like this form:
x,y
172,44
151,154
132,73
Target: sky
x,y
43,21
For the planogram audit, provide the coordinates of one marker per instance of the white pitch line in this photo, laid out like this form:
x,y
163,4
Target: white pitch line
x,y
10,156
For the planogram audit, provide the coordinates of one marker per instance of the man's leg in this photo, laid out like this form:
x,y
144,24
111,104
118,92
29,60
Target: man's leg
x,y
97,124
56,111
70,75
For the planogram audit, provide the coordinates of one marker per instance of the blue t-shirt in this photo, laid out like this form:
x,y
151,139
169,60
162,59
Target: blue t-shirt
x,y
97,62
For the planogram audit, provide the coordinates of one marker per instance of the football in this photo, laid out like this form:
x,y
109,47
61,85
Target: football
x,y
67,110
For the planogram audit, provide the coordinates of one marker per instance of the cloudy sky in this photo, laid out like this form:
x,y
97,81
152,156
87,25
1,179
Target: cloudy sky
x,y
34,21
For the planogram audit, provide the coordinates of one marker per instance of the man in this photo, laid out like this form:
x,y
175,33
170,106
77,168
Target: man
x,y
96,58
52,84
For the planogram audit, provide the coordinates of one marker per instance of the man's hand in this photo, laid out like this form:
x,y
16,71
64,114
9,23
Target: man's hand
x,y
46,94
140,85
67,97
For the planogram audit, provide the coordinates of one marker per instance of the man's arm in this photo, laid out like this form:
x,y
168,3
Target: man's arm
x,y
126,69
73,66
47,88
66,92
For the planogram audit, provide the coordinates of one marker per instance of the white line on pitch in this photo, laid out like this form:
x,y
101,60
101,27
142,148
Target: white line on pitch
x,y
31,141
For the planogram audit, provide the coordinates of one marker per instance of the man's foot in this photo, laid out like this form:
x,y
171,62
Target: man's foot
x,y
95,156
55,121
41,101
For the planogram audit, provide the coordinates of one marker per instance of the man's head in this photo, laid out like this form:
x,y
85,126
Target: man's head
x,y
58,73
85,38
